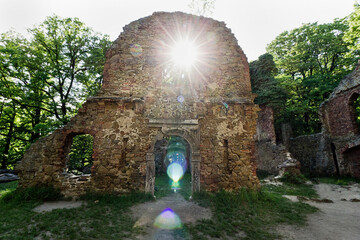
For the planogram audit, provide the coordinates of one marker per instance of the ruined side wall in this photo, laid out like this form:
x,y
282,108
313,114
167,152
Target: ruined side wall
x,y
266,151
339,126
227,147
121,141
314,154
338,115
265,130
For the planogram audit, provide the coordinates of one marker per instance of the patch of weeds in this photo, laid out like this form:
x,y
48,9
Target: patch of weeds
x,y
342,181
6,188
293,178
163,186
185,184
303,190
103,217
256,213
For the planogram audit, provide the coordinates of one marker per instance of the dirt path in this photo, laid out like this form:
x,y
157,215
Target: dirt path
x,y
49,206
339,220
146,214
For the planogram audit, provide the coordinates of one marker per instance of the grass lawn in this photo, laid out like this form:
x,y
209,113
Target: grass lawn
x,y
108,217
255,213
103,217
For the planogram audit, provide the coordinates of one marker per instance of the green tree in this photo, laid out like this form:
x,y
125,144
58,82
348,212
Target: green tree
x,y
43,81
311,60
352,36
74,57
80,153
263,83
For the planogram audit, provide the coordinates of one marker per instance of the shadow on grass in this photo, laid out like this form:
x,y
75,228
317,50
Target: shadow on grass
x,y
255,213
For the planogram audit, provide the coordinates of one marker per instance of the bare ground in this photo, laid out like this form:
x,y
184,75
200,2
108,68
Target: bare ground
x,y
336,220
146,213
49,206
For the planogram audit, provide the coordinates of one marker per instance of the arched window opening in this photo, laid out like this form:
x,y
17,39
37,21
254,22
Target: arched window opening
x,y
352,161
80,155
355,111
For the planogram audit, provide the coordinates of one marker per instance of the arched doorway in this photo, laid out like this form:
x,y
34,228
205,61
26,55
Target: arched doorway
x,y
171,149
172,166
352,159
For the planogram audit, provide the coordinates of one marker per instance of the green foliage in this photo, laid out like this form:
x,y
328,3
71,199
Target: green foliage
x,y
352,35
6,188
356,105
342,181
80,153
292,178
263,83
75,57
44,80
36,193
311,60
255,213
163,186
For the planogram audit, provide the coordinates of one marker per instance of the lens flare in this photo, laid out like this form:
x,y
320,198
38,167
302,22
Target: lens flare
x,y
180,99
168,220
136,50
184,54
175,171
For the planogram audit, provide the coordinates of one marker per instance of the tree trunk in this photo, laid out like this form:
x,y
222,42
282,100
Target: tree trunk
x,y
36,135
5,159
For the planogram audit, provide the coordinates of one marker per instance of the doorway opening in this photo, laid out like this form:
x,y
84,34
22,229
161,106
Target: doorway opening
x,y
352,160
172,156
333,150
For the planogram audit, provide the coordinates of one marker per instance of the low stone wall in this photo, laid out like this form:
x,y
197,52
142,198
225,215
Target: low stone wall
x,y
270,156
314,154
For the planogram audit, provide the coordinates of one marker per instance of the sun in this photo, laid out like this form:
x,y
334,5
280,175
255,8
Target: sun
x,y
184,54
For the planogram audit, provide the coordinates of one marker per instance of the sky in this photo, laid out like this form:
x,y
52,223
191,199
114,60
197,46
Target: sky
x,y
255,23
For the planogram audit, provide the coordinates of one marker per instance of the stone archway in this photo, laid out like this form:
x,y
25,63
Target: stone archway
x,y
192,139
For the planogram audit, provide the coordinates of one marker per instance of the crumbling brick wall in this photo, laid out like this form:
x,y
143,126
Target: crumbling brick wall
x,y
339,126
143,99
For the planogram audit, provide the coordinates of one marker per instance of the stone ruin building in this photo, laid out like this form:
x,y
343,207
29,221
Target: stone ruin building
x,y
334,151
272,157
145,99
340,128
